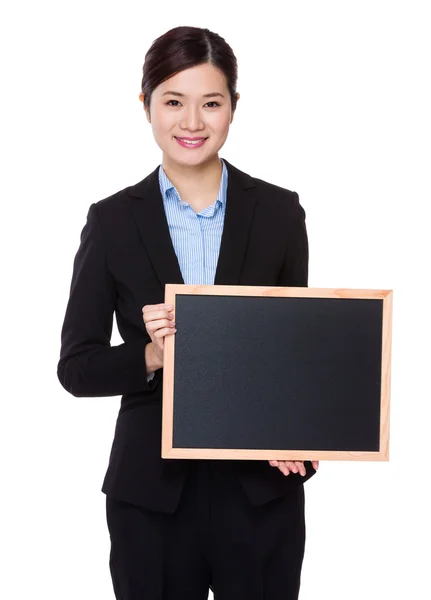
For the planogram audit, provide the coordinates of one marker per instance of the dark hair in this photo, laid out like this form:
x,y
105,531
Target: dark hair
x,y
185,47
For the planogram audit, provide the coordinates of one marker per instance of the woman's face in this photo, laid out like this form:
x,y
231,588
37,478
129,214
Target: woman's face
x,y
194,103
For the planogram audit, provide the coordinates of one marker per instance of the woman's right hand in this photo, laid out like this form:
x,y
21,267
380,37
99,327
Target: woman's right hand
x,y
159,321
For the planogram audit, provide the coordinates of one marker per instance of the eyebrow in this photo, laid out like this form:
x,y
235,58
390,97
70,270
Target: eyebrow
x,y
211,95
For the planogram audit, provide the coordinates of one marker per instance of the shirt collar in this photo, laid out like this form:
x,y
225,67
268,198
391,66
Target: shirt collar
x,y
166,185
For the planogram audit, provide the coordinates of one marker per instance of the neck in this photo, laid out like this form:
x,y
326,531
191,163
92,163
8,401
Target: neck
x,y
193,178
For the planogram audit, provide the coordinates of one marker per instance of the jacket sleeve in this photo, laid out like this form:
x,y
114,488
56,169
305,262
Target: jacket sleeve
x,y
295,267
89,365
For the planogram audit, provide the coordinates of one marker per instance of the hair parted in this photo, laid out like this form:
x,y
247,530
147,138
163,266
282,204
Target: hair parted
x,y
185,47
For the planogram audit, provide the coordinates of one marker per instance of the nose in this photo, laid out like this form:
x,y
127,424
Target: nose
x,y
192,119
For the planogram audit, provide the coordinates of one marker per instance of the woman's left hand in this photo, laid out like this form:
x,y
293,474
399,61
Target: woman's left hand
x,y
297,466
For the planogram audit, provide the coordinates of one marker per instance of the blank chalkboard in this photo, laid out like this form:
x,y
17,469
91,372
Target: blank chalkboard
x,y
288,373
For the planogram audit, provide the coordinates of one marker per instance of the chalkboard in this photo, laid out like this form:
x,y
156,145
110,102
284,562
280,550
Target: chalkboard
x,y
277,373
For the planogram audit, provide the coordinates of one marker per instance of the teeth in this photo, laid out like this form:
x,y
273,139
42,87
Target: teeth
x,y
190,142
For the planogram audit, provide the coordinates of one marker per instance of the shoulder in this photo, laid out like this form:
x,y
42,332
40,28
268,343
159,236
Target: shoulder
x,y
279,193
108,216
120,201
272,191
116,210
115,202
271,195
112,215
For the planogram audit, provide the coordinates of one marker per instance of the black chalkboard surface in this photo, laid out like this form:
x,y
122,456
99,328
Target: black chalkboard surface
x,y
256,372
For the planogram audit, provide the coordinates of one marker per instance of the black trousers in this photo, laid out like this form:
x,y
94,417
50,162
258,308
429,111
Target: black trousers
x,y
215,540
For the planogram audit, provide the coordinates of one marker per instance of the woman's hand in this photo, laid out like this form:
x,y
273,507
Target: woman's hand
x,y
297,466
159,321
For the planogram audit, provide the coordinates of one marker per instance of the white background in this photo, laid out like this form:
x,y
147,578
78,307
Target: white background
x,y
335,104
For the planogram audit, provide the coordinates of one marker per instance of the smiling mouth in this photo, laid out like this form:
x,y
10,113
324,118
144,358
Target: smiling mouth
x,y
196,143
198,139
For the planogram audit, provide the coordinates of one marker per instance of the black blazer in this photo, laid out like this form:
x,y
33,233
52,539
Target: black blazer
x,y
124,260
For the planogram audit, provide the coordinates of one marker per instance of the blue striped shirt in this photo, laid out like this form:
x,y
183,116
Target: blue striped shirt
x,y
196,236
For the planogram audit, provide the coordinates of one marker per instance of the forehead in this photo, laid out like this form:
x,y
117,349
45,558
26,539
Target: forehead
x,y
195,81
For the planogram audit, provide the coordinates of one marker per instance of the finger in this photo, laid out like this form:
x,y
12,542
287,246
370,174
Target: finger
x,y
283,468
154,325
301,468
165,331
151,307
315,464
273,463
155,315
291,465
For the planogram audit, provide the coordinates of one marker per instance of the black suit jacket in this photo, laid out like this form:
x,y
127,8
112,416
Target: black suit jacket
x,y
124,260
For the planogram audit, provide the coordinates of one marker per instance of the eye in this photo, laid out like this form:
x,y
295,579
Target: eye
x,y
211,102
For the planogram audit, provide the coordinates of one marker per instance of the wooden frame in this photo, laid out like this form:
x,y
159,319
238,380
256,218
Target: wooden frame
x,y
168,451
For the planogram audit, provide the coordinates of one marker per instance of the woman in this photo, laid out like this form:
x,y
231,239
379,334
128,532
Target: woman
x,y
180,527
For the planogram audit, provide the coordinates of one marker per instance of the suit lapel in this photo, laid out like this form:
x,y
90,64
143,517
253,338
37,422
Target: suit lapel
x,y
149,214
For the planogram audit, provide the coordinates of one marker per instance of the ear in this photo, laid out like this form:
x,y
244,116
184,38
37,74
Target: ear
x,y
237,95
147,112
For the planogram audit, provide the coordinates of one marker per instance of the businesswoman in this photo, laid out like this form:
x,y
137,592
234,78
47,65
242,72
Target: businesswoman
x,y
181,527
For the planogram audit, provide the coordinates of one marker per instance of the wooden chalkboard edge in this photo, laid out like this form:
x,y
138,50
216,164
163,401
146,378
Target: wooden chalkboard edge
x,y
168,381
386,376
172,289
247,454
